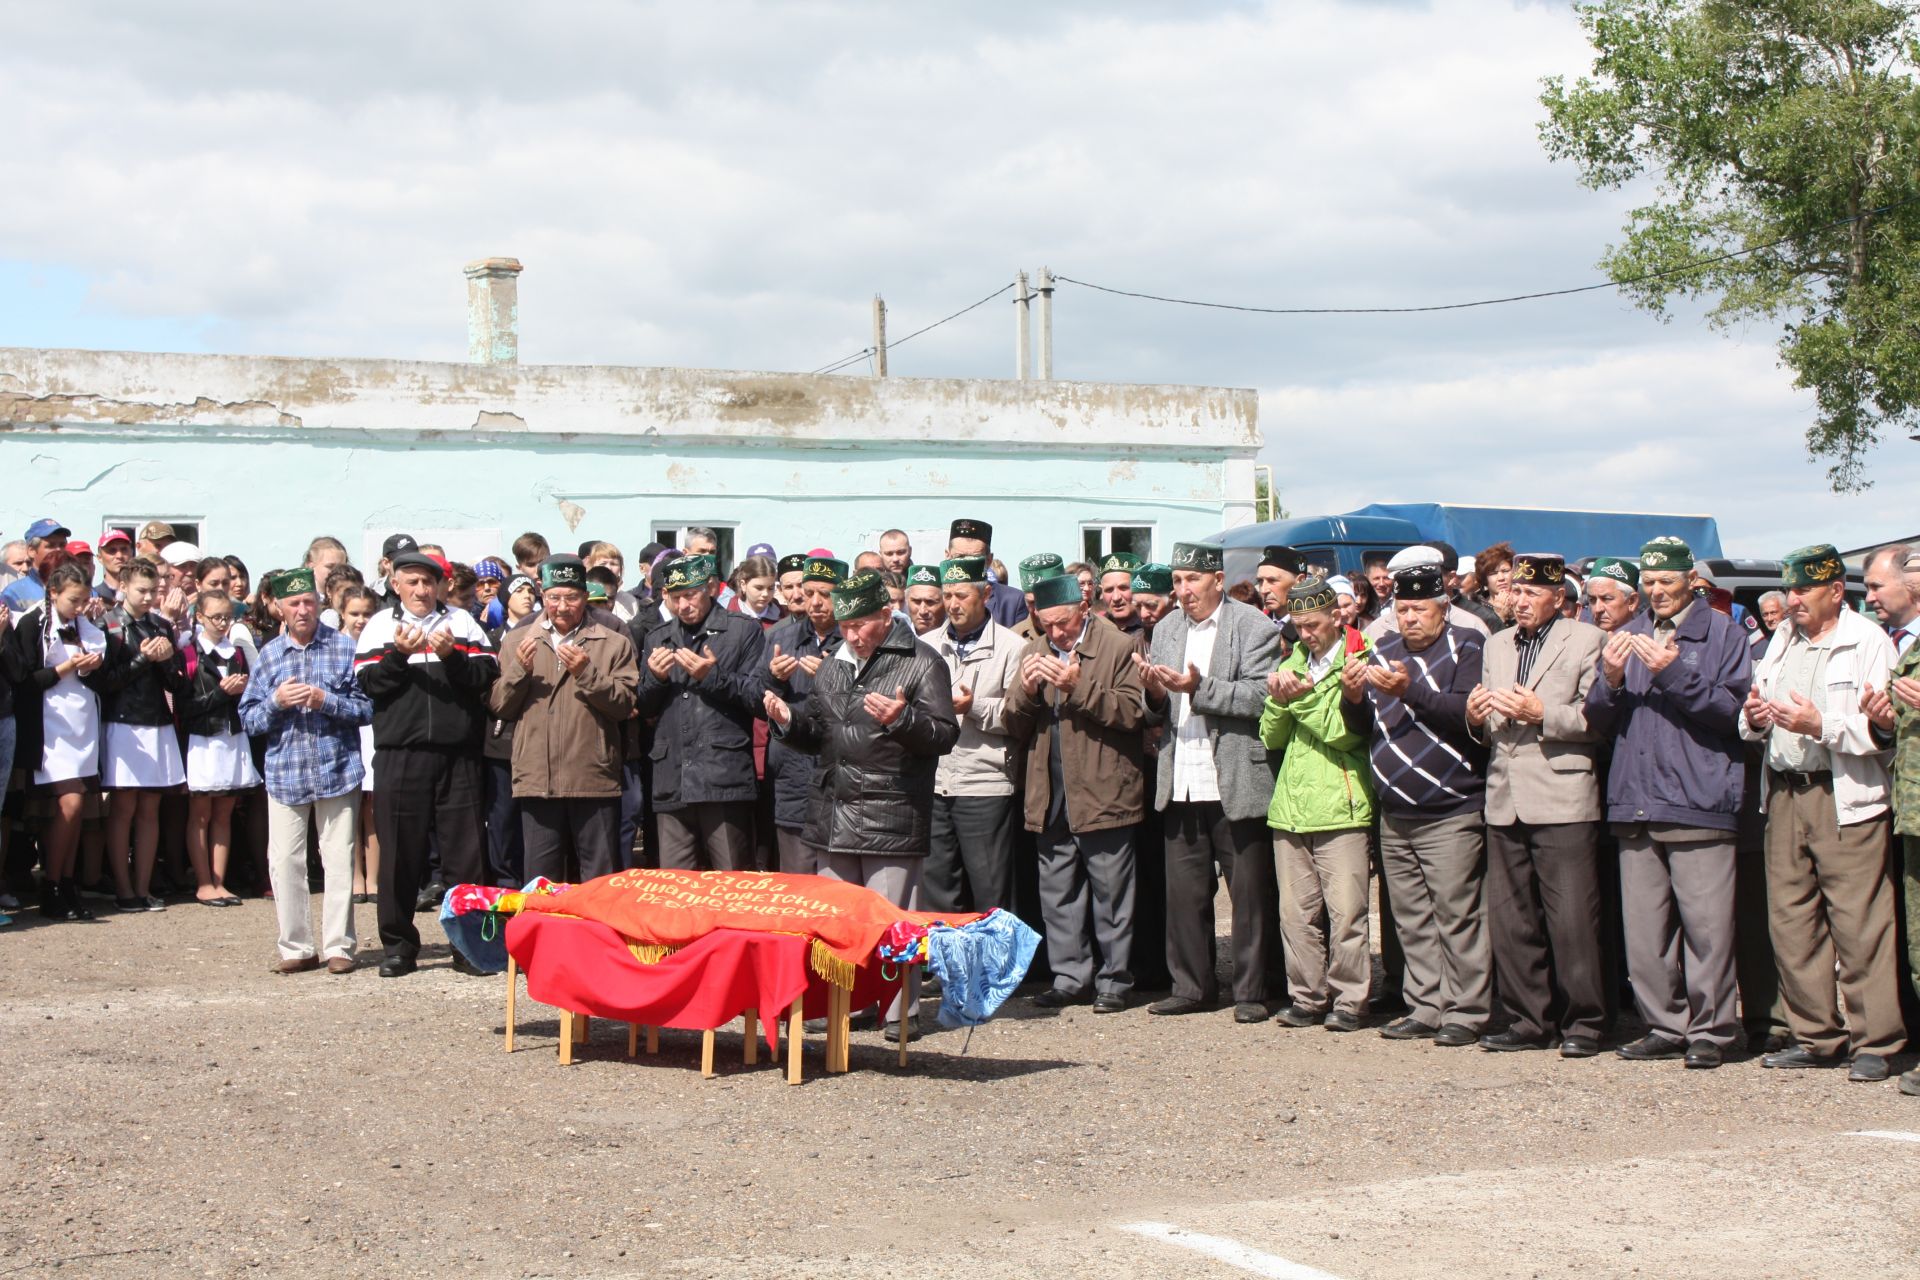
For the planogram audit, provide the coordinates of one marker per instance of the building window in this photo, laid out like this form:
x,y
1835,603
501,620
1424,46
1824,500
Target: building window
x,y
668,535
1098,541
185,528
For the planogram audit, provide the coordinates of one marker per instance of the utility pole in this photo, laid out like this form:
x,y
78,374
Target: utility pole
x,y
1046,324
1022,328
879,336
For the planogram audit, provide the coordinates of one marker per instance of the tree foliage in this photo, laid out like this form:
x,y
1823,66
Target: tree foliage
x,y
1786,132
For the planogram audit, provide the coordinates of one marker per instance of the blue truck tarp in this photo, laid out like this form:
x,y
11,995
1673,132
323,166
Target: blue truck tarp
x,y
1389,526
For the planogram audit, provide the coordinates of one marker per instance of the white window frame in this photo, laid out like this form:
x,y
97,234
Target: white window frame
x,y
1106,528
729,556
132,525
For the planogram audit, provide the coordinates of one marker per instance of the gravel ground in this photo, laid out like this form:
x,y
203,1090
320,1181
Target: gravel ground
x,y
173,1109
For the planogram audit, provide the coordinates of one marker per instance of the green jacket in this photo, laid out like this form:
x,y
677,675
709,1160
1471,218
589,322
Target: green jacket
x,y
1325,782
1906,751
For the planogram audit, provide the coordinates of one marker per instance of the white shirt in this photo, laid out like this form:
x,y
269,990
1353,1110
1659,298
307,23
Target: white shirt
x,y
1318,667
1193,772
1903,638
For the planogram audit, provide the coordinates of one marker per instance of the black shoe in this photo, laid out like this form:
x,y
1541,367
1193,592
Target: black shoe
x,y
1703,1056
1867,1068
892,1032
1109,1002
463,965
1579,1047
399,967
1513,1042
1055,998
1408,1028
1173,1006
1250,1011
70,897
1768,1041
429,899
1452,1035
1652,1047
130,905
154,903
1800,1058
1294,1016
362,899
1342,1020
815,1026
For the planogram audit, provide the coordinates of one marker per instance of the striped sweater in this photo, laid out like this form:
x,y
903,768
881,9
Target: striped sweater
x,y
1425,763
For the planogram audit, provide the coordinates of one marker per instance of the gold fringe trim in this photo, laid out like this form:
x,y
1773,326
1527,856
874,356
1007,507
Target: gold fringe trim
x,y
647,953
832,967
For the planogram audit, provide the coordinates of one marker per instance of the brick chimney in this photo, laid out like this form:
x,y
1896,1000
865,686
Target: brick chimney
x,y
493,311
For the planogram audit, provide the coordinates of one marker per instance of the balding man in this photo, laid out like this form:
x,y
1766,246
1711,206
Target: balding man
x,y
896,551
1889,596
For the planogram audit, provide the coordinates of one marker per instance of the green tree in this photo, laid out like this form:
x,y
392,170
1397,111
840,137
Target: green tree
x,y
1787,132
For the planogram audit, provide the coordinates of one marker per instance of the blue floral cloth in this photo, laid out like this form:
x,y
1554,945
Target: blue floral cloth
x,y
979,965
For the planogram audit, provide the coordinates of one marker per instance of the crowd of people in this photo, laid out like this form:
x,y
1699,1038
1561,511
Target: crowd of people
x,y
1575,792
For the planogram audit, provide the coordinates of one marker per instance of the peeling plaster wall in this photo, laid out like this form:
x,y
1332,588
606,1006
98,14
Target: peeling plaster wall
x,y
272,451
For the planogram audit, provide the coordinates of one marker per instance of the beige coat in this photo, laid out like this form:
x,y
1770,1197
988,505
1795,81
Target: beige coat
x,y
983,762
1544,773
566,737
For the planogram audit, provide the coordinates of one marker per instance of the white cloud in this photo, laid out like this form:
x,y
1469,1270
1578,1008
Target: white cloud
x,y
727,184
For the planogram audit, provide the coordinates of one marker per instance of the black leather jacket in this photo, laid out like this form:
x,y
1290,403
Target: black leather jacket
x,y
703,742
876,786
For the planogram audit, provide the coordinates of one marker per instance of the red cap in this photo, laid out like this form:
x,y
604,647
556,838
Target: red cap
x,y
821,553
446,570
77,548
115,535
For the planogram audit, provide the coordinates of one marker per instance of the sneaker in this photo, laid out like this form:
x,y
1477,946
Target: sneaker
x,y
156,904
129,905
8,902
5,920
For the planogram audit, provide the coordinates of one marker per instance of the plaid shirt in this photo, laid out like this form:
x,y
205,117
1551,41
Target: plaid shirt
x,y
311,755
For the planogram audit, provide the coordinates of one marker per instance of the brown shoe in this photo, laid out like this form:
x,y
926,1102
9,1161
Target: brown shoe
x,y
301,965
341,964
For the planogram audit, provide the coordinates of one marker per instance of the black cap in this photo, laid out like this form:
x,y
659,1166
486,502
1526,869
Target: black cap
x,y
1285,558
397,543
971,529
791,564
416,560
648,552
1421,582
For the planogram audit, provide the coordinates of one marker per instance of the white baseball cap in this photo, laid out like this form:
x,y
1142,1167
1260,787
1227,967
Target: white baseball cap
x,y
1413,557
180,553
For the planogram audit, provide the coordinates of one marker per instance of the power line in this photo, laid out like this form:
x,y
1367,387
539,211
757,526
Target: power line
x,y
1486,302
867,353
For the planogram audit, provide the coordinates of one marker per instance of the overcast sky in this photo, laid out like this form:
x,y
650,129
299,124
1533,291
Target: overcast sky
x,y
727,185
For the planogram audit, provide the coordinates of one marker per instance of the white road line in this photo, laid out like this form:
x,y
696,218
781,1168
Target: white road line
x,y
1231,1252
1891,1135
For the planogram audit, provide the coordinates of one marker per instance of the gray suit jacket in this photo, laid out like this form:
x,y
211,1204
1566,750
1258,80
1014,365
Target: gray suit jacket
x,y
1231,697
1543,773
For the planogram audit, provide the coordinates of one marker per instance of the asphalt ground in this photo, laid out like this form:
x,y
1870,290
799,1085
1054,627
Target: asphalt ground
x,y
172,1109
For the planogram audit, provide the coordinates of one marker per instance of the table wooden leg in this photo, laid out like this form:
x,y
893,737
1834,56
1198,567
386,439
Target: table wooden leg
x,y
567,1025
706,1054
653,1039
906,974
633,1039
513,974
796,1029
584,1031
838,1030
752,1050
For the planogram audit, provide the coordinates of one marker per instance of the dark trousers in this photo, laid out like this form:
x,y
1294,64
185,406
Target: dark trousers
x,y
1150,908
1543,914
633,804
1762,1011
1200,838
1387,996
714,836
797,857
570,838
506,852
422,795
970,864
